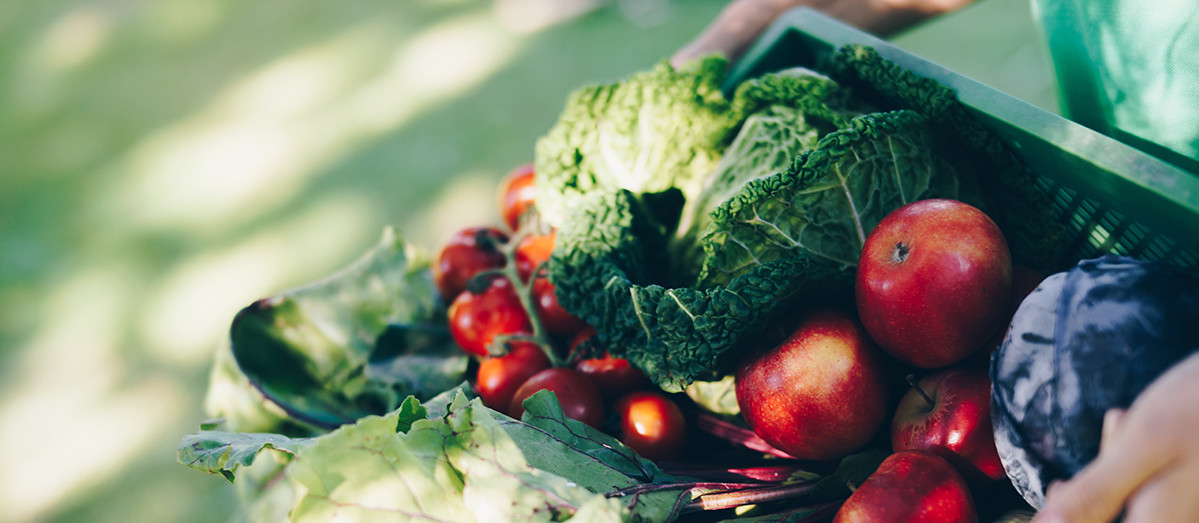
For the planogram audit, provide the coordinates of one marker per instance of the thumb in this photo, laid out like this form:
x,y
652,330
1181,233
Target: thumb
x,y
1098,492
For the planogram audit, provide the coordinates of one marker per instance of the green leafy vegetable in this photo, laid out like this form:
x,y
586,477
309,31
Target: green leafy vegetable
x,y
674,334
830,199
664,132
468,464
353,345
659,130
717,397
798,107
790,236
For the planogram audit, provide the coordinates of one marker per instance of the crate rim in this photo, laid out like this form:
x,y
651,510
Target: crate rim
x,y
1101,167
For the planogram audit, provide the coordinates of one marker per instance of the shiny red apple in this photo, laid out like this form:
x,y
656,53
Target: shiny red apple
x,y
933,282
821,393
911,486
948,412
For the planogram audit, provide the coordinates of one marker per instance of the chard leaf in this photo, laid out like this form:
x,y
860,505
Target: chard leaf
x,y
830,199
558,444
328,354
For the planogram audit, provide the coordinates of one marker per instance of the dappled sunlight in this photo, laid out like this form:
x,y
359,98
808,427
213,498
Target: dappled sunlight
x,y
76,37
185,315
533,15
68,380
466,199
180,21
56,442
178,159
259,142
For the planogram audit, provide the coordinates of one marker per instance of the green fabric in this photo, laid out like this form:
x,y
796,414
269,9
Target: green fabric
x,y
1129,69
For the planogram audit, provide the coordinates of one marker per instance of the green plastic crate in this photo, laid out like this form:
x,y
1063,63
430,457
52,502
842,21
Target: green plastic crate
x,y
1113,198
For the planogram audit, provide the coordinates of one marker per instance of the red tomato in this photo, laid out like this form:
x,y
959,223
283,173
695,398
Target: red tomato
x,y
468,252
516,194
476,319
578,396
554,318
613,377
532,251
651,424
499,377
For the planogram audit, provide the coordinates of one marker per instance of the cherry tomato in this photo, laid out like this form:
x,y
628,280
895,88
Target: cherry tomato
x,y
554,318
651,424
613,377
468,252
578,396
476,319
516,194
500,376
532,251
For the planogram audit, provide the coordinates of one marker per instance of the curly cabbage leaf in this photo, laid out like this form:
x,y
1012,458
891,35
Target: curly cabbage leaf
x,y
467,463
325,355
658,130
1036,235
830,199
665,131
675,335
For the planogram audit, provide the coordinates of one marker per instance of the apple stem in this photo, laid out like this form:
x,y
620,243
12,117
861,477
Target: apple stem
x,y
912,381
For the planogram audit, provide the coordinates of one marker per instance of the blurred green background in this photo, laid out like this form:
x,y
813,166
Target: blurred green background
x,y
165,162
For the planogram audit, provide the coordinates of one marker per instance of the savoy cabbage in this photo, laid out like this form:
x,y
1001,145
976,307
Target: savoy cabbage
x,y
776,221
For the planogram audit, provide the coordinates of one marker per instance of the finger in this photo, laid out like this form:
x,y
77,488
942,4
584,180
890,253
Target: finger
x,y
1168,496
1111,420
1098,491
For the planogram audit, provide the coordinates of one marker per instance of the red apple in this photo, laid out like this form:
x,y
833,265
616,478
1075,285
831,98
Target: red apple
x,y
949,412
818,395
911,486
933,282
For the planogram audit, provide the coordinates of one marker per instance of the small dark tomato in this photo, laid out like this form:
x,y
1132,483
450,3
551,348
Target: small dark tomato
x,y
578,396
651,424
476,319
516,194
613,377
554,318
532,251
500,376
467,253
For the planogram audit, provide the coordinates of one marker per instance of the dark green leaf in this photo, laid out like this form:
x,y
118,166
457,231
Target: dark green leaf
x,y
352,345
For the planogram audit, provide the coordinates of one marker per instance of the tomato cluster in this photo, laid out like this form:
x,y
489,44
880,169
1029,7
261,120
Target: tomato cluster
x,y
504,310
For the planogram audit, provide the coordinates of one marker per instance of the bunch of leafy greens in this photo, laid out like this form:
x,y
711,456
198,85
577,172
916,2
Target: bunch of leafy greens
x,y
777,222
450,459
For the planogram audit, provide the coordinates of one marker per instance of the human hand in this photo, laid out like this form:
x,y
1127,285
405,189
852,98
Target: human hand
x,y
742,21
1148,462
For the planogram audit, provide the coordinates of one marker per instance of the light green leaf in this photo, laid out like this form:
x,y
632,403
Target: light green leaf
x,y
223,453
719,397
349,346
